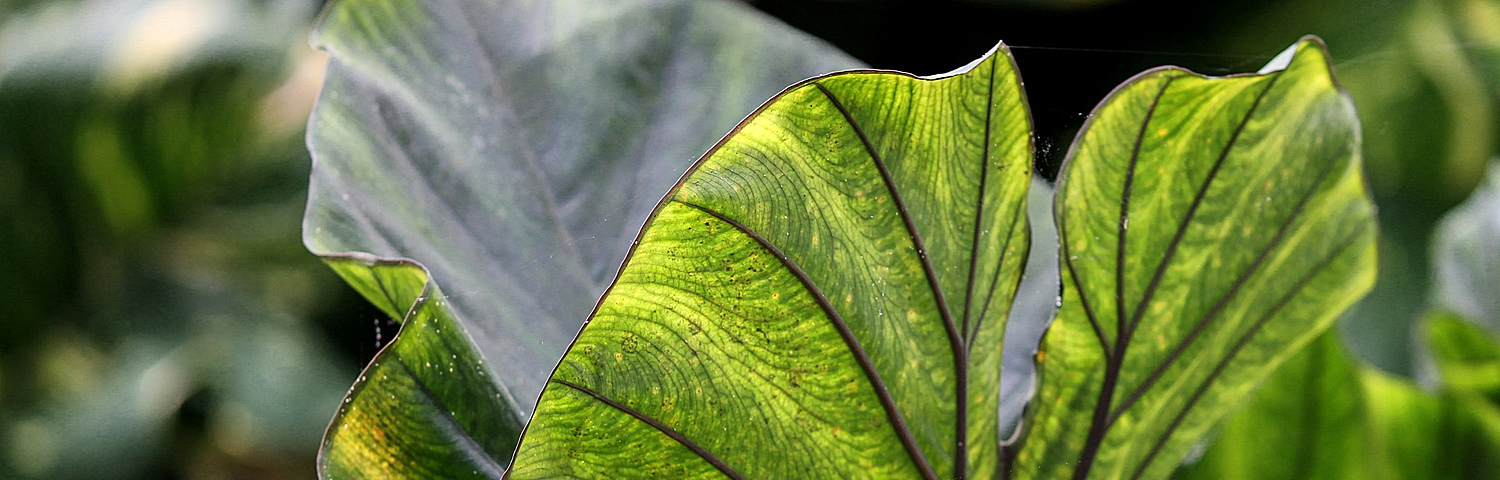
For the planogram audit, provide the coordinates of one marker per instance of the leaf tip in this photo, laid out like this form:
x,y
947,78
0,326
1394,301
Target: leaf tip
x,y
1284,59
999,49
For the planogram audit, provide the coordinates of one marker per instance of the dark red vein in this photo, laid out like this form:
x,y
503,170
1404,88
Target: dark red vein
x,y
1083,299
999,267
892,413
955,339
1115,357
1224,300
1240,344
984,169
1100,424
668,431
1213,173
1123,225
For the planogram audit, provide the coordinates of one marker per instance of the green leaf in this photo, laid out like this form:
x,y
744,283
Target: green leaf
x,y
822,296
1307,421
1249,231
1465,259
427,406
1465,356
1446,436
512,150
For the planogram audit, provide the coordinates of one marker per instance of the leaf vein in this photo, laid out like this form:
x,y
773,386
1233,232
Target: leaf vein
x,y
1224,300
893,414
1240,344
665,430
955,339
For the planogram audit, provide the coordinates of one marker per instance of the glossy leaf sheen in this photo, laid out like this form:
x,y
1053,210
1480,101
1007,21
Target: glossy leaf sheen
x,y
1208,227
512,149
816,297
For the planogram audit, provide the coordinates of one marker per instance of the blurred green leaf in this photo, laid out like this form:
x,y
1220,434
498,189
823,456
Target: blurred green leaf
x,y
1323,416
201,363
837,272
513,149
1444,436
1307,421
91,165
1249,232
159,321
1466,357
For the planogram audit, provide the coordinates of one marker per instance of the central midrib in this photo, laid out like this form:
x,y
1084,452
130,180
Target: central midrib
x,y
1114,358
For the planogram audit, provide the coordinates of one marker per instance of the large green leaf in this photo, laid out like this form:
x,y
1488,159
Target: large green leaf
x,y
508,150
1208,228
823,296
1308,421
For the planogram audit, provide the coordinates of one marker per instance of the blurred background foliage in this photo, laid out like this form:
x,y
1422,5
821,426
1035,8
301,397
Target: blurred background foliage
x,y
164,320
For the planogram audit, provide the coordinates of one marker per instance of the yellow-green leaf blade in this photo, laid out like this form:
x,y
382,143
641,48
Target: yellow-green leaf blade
x,y
822,297
426,406
1209,226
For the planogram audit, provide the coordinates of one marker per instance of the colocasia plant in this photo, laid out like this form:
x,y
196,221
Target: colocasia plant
x,y
823,294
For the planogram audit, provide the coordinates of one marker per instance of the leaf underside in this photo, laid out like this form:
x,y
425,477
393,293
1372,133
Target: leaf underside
x,y
508,151
1209,227
822,296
